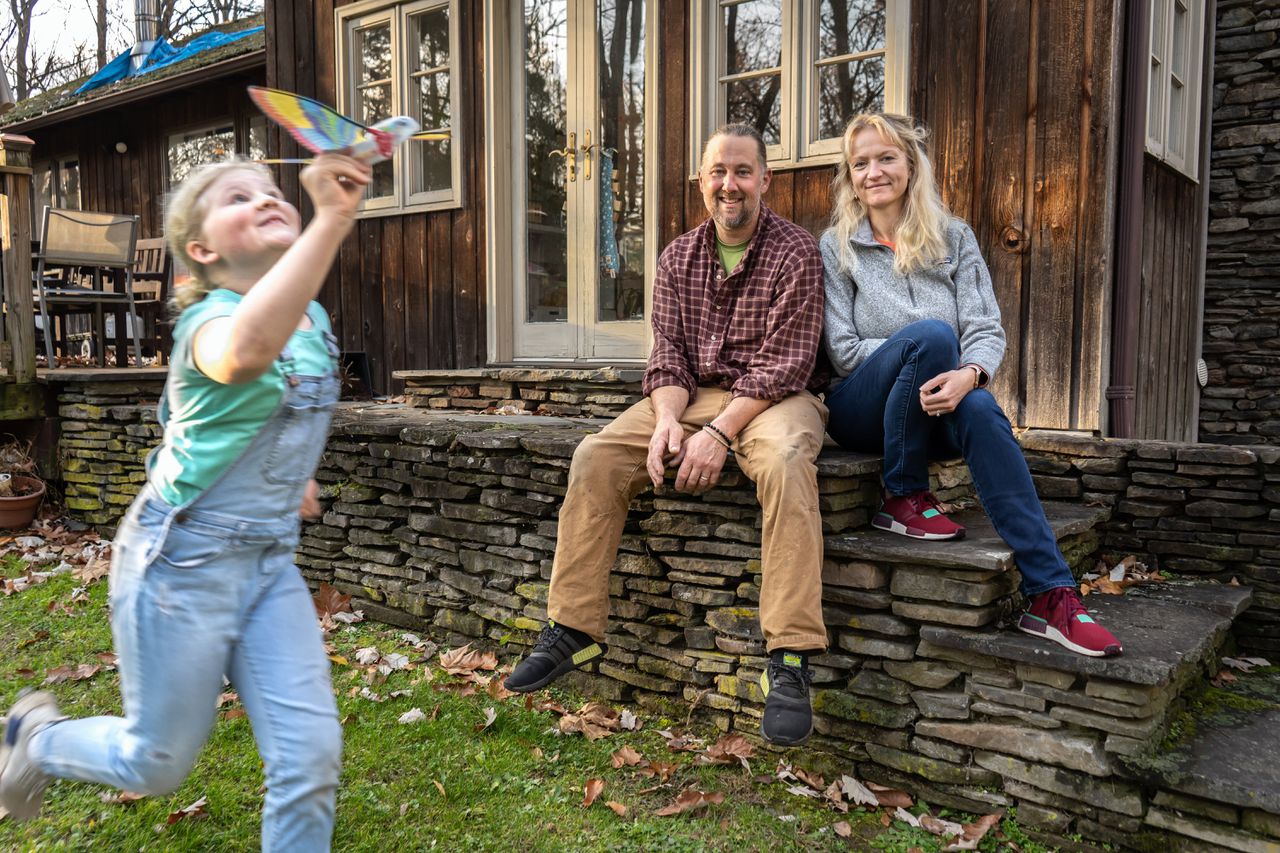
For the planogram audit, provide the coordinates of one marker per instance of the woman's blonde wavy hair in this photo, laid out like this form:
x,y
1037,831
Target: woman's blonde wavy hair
x,y
184,216
921,238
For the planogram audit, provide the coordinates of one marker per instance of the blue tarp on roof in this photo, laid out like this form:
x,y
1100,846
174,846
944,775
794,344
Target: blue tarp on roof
x,y
161,55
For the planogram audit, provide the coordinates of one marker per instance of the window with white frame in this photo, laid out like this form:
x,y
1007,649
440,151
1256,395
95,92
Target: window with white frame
x,y
192,148
797,70
401,59
1173,85
55,182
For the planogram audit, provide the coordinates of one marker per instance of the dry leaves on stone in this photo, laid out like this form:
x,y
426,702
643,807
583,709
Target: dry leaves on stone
x,y
195,811
728,749
690,799
1115,579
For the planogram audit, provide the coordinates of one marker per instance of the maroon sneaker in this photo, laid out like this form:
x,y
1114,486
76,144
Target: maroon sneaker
x,y
1059,615
918,516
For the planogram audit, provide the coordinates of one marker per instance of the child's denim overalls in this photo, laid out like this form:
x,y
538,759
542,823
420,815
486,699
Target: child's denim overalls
x,y
210,588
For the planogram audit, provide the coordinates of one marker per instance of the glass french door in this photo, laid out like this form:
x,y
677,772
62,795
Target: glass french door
x,y
581,244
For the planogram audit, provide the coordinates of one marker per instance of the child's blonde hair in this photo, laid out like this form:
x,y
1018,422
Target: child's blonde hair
x,y
184,221
921,238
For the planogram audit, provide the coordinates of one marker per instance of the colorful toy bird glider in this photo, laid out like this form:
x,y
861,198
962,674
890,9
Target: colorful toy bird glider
x,y
319,128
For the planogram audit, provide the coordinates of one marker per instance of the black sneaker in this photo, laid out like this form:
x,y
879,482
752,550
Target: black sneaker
x,y
788,715
559,649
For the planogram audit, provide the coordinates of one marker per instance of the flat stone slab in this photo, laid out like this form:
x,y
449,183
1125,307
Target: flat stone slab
x,y
981,548
1160,636
1231,757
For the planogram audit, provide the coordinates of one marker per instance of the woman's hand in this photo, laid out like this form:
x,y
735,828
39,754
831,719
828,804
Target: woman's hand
x,y
701,460
941,394
311,508
336,183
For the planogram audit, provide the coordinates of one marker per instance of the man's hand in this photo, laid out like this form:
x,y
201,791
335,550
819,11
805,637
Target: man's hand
x,y
943,393
668,438
701,461
311,508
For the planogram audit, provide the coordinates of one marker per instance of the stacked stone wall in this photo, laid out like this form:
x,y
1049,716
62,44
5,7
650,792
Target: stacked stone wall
x,y
1195,510
603,393
106,431
1241,404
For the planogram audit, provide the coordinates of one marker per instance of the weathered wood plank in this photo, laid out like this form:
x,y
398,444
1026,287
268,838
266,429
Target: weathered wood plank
x,y
812,192
1050,325
781,195
393,298
371,330
998,221
417,305
440,287
954,32
673,87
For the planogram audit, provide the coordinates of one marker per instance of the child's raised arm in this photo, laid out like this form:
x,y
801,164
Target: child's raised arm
x,y
240,347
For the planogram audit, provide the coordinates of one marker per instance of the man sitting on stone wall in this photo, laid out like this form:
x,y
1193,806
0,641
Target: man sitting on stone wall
x,y
737,317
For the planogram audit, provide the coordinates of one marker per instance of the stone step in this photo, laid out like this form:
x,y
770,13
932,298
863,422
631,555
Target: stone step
x,y
981,549
1216,774
1165,628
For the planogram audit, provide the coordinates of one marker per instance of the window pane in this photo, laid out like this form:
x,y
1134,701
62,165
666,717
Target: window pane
x,y
850,26
69,185
1175,139
373,52
257,138
1179,55
546,59
188,150
41,192
433,101
846,89
756,101
373,103
435,168
619,180
753,35
1155,99
432,31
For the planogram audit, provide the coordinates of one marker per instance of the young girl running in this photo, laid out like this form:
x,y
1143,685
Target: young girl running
x,y
203,582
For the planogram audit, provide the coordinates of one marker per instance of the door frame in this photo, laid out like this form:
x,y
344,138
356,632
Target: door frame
x,y
504,228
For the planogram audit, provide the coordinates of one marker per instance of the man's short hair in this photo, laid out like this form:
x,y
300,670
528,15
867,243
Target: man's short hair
x,y
744,131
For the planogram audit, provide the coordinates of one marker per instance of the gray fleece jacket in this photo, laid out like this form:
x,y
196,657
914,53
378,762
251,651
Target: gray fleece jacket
x,y
864,309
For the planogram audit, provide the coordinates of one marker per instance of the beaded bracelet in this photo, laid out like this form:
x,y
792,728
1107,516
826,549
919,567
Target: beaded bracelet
x,y
719,435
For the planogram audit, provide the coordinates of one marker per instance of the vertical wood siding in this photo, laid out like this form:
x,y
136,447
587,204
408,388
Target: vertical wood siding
x,y
135,182
408,291
1167,393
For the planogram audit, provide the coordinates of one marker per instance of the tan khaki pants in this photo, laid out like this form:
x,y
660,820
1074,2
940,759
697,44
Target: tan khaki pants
x,y
777,450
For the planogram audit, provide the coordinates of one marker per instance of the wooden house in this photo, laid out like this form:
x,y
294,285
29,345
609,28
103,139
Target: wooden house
x,y
1070,133
121,147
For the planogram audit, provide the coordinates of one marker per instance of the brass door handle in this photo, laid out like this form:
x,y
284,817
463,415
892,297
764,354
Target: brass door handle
x,y
570,155
586,153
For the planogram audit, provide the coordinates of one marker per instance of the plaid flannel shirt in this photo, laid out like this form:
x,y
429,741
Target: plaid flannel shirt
x,y
755,332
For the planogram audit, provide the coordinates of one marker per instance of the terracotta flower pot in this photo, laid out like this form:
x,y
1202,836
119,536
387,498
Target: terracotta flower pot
x,y
19,510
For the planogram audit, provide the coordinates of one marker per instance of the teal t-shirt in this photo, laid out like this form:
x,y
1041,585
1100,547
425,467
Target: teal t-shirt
x,y
211,424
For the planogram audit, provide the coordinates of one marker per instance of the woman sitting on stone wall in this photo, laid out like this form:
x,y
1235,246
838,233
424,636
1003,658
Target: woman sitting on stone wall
x,y
913,332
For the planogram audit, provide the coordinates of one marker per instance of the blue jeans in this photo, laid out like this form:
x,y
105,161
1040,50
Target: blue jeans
x,y
876,409
209,589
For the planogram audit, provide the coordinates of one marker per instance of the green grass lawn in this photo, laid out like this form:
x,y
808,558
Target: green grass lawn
x,y
445,782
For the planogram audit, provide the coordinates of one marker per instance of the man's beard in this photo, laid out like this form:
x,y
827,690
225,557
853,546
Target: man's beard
x,y
724,220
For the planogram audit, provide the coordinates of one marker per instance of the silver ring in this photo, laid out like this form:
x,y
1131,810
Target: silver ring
x,y
704,477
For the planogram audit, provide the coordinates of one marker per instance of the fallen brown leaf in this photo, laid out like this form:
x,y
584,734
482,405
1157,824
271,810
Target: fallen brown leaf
x,y
842,828
195,811
890,797
593,720
489,716
690,799
813,780
592,790
33,639
618,808
625,757
59,674
657,768
497,691
728,749
464,661
439,788
120,798
329,601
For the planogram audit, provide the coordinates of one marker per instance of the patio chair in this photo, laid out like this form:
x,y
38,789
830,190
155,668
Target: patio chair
x,y
152,287
84,245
